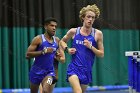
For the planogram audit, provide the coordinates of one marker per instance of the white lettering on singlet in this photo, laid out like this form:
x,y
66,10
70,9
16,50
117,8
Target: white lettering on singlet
x,y
49,81
81,42
54,49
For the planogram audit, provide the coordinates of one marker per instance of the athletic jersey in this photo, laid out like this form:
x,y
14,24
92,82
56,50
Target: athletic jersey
x,y
83,59
45,62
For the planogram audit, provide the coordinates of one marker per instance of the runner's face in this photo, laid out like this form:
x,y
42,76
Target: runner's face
x,y
51,28
89,18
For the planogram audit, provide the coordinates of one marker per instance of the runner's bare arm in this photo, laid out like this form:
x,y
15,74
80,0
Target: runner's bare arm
x,y
70,34
31,51
60,56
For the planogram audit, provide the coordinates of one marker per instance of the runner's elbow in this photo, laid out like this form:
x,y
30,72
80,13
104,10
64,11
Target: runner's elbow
x,y
27,56
101,54
62,60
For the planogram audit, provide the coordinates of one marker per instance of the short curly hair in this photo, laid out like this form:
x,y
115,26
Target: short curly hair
x,y
49,19
93,8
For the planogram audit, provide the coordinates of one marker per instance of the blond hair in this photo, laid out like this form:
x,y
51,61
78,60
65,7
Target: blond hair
x,y
92,8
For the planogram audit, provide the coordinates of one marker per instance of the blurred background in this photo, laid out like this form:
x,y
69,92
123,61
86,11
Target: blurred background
x,y
21,20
